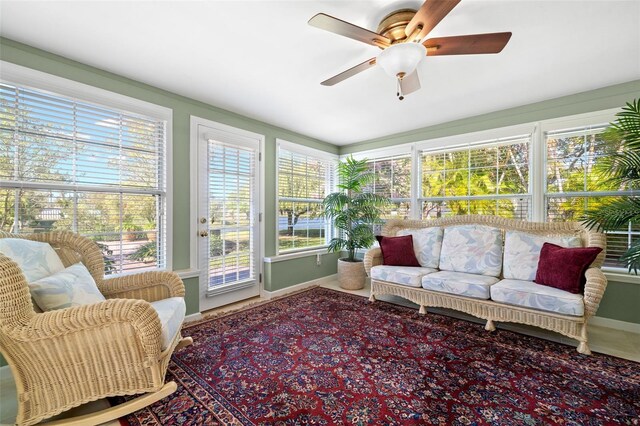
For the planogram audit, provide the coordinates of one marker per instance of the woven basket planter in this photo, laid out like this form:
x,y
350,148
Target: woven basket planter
x,y
351,275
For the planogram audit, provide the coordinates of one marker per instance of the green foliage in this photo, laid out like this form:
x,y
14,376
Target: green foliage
x,y
147,252
353,212
622,168
107,255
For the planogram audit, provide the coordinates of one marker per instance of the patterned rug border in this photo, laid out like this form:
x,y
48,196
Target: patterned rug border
x,y
251,305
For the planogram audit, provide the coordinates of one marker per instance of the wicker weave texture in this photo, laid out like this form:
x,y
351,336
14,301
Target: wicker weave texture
x,y
574,327
65,358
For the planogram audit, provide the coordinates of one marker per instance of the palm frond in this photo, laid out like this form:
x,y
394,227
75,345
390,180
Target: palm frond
x,y
614,215
622,168
628,124
632,258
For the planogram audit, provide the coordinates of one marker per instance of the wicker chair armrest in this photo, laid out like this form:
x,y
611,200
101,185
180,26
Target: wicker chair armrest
x,y
593,290
149,286
372,258
109,320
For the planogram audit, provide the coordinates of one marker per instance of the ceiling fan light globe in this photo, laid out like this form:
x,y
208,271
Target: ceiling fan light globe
x,y
401,58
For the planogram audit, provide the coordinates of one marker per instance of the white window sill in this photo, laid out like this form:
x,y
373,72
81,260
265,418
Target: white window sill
x,y
621,277
296,255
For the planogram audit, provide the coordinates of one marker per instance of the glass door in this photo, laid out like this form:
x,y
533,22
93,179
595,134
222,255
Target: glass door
x,y
229,219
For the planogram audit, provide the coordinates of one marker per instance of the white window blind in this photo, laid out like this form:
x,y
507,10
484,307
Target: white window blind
x,y
303,182
489,178
67,164
575,182
232,211
393,180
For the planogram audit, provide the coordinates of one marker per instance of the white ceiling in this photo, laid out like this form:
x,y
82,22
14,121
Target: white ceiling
x,y
261,59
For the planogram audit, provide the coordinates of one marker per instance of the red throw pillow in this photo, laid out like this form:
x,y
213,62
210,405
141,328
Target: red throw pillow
x,y
397,251
564,268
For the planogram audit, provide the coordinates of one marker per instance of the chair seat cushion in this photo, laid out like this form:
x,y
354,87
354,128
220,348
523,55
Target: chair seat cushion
x,y
171,312
537,296
460,283
411,276
35,259
73,286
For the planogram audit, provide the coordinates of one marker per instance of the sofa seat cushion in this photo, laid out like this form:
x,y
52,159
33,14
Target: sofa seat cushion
x,y
171,312
474,249
522,252
537,296
427,243
411,276
460,283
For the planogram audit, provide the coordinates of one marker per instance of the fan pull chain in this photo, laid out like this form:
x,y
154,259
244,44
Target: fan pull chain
x,y
399,93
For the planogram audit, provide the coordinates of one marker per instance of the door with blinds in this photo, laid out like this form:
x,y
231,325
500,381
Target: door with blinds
x,y
229,216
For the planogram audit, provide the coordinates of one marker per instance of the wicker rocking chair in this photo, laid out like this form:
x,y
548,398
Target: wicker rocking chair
x,y
64,358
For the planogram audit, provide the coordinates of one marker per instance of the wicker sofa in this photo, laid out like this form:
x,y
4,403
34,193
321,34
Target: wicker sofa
x,y
572,324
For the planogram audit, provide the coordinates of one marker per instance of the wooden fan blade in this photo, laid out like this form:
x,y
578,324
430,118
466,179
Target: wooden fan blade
x,y
410,83
467,45
350,72
343,28
427,17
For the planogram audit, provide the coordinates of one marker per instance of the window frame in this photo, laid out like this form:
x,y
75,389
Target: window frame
x,y
76,91
537,161
582,121
330,186
469,146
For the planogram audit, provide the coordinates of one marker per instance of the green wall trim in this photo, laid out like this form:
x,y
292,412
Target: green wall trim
x,y
285,273
579,103
621,302
183,108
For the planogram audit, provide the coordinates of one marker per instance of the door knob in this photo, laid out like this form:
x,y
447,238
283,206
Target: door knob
x,y
204,233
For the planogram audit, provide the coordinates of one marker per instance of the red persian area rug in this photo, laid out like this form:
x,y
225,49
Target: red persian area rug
x,y
323,357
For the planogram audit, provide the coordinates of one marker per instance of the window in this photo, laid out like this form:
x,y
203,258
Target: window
x,y
67,164
489,178
574,182
393,180
305,177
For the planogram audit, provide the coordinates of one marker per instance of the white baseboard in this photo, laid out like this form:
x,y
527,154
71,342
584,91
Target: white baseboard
x,y
193,317
297,287
631,327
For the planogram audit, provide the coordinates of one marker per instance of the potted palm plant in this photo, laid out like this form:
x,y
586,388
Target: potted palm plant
x,y
353,212
622,169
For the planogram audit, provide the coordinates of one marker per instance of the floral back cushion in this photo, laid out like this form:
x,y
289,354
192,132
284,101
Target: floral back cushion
x,y
427,244
475,249
522,252
37,260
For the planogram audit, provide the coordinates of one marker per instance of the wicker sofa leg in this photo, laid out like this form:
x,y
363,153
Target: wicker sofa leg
x,y
490,326
372,298
118,411
583,348
423,310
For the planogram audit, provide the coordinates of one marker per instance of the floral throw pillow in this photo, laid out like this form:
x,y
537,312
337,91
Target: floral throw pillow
x,y
70,287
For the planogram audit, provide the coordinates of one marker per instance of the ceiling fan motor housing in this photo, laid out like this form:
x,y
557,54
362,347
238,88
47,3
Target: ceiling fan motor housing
x,y
392,26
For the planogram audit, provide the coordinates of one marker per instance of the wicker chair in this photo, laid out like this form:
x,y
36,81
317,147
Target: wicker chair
x,y
64,358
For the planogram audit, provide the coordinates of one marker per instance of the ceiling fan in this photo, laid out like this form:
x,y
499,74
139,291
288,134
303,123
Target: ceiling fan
x,y
400,36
